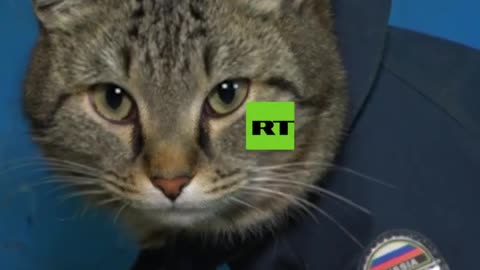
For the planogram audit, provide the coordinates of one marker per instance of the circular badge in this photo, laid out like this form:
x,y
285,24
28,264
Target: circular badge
x,y
403,250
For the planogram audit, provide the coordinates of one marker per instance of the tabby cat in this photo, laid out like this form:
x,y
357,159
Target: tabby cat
x,y
141,105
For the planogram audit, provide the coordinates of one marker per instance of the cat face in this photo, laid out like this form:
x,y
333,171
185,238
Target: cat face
x,y
141,104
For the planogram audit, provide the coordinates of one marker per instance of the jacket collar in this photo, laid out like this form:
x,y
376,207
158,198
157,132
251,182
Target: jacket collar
x,y
361,28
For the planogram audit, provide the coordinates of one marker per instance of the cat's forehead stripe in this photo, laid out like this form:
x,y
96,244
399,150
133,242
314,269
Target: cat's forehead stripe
x,y
166,31
137,14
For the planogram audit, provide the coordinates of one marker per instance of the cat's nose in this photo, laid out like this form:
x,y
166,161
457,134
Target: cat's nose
x,y
171,187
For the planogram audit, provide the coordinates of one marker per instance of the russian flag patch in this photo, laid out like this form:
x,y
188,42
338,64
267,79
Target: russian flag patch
x,y
403,250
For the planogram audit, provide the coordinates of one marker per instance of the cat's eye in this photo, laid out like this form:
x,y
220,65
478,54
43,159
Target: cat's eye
x,y
228,96
112,103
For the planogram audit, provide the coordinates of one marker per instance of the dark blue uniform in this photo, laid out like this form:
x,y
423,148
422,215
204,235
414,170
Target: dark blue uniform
x,y
415,125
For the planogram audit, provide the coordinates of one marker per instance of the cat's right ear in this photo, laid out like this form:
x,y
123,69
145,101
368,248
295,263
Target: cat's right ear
x,y
269,6
317,9
59,14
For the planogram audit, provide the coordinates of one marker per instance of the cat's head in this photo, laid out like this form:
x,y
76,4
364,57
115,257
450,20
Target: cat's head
x,y
142,102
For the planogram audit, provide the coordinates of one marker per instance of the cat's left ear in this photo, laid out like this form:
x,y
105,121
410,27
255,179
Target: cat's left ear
x,y
59,13
318,10
269,6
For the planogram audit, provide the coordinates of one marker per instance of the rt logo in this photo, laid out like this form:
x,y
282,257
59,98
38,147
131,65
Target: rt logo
x,y
270,126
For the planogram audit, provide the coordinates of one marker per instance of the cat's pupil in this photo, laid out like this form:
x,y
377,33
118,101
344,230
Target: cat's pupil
x,y
114,97
227,91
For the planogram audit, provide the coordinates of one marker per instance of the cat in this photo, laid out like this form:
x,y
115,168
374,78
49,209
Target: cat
x,y
141,105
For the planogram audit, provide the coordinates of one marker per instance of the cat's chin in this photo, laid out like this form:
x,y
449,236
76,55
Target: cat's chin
x,y
153,227
185,218
179,218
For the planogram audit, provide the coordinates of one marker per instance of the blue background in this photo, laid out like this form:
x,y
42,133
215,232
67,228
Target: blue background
x,y
37,230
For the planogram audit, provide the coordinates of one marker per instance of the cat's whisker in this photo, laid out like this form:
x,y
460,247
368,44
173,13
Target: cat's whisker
x,y
293,199
248,205
56,179
51,165
107,201
83,194
62,188
337,223
120,186
364,176
288,167
63,171
288,182
84,210
69,185
119,212
51,181
48,181
301,210
72,164
76,215
9,169
357,173
80,181
99,177
290,173
306,203
73,217
35,160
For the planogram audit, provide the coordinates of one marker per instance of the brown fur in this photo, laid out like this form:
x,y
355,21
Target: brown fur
x,y
169,55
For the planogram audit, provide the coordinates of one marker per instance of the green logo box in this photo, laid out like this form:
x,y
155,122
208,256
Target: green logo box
x,y
270,126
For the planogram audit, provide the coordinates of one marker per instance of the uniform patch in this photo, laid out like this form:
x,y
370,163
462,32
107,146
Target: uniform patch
x,y
403,250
